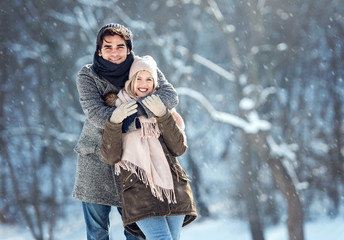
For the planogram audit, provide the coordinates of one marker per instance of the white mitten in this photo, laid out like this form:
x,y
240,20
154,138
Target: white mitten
x,y
155,104
122,111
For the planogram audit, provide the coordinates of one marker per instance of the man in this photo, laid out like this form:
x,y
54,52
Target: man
x,y
96,185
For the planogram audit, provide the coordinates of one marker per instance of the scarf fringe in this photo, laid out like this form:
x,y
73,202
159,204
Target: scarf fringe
x,y
149,129
156,190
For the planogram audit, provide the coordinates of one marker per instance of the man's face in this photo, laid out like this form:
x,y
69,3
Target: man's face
x,y
114,49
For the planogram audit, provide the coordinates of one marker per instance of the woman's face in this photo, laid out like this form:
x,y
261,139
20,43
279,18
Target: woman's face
x,y
144,84
114,49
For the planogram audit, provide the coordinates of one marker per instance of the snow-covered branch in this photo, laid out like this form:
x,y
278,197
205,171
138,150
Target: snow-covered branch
x,y
287,153
214,67
252,126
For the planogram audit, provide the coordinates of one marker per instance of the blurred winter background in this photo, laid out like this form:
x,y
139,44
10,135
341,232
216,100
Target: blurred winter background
x,y
261,90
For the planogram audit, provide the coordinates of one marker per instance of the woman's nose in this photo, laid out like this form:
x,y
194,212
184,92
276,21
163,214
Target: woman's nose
x,y
143,83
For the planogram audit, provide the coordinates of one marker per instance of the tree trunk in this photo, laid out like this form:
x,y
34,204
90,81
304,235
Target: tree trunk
x,y
295,212
286,186
250,191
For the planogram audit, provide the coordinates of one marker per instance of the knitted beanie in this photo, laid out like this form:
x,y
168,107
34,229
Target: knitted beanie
x,y
144,63
126,31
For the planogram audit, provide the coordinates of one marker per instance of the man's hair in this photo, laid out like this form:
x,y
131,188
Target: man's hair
x,y
112,30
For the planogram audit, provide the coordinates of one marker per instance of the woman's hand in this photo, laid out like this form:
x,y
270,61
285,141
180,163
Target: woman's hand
x,y
155,104
122,111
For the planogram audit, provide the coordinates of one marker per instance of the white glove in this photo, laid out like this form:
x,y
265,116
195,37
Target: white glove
x,y
155,104
122,111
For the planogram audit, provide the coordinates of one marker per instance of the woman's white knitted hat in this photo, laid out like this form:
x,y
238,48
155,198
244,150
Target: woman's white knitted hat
x,y
144,63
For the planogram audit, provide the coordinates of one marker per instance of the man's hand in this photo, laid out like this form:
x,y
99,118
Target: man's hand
x,y
155,104
123,111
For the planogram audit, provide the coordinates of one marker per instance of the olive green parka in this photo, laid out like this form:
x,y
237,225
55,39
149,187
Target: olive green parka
x,y
137,200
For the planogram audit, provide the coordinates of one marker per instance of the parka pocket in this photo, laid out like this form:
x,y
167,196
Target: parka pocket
x,y
129,180
179,171
177,168
84,150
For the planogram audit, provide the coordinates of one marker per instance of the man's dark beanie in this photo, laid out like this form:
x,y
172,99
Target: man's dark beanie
x,y
125,30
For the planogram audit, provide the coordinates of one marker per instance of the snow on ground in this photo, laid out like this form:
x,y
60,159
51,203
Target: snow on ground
x,y
200,230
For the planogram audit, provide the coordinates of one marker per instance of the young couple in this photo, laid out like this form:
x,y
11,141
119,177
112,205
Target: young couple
x,y
129,143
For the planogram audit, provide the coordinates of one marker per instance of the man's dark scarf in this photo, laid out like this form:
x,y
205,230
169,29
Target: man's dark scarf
x,y
116,74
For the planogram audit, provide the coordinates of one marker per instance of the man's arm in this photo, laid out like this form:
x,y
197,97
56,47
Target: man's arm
x,y
91,99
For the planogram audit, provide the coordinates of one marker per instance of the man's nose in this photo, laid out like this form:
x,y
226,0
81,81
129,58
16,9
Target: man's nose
x,y
114,51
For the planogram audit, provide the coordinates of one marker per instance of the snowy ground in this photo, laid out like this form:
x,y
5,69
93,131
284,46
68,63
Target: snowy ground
x,y
210,229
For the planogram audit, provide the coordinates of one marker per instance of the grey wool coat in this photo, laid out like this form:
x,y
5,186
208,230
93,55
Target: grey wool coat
x,y
95,181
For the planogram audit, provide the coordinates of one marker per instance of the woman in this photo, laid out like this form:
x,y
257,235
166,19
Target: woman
x,y
156,196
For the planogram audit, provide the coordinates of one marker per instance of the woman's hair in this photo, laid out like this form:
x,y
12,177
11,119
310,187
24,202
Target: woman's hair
x,y
130,85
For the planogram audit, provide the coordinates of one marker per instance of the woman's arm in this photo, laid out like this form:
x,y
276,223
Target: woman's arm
x,y
171,128
111,147
173,135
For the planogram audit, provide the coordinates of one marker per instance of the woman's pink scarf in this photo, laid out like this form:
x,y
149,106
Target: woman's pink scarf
x,y
143,155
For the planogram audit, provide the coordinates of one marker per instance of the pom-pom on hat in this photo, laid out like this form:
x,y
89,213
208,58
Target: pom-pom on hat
x,y
144,63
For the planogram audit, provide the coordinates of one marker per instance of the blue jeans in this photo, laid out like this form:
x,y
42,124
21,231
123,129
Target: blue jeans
x,y
98,222
162,228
